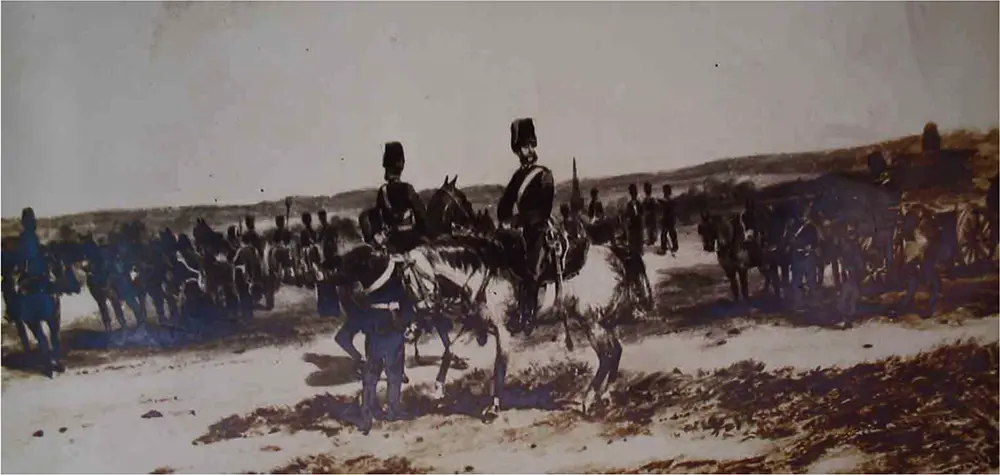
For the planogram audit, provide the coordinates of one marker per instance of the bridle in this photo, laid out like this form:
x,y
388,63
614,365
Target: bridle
x,y
453,200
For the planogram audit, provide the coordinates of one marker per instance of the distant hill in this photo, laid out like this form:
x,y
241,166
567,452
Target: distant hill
x,y
613,188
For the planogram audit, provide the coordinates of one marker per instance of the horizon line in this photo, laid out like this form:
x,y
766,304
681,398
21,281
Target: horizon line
x,y
558,183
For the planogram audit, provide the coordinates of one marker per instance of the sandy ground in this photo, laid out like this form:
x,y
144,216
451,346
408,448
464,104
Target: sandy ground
x,y
91,421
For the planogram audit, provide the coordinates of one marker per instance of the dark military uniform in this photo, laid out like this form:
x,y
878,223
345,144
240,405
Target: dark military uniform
x,y
398,205
384,326
527,204
596,209
308,236
633,222
31,260
805,243
281,234
650,210
381,308
232,239
250,237
668,221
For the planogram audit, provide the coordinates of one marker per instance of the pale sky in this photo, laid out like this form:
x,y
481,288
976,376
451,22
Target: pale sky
x,y
124,105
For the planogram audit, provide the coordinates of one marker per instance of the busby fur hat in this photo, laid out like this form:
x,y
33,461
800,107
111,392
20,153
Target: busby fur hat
x,y
392,156
522,132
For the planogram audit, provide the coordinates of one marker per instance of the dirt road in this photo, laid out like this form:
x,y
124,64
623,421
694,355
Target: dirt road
x,y
677,407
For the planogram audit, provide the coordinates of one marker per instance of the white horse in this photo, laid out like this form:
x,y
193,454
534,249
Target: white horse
x,y
468,280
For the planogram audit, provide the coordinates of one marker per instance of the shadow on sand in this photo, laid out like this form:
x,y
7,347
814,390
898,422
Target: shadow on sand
x,y
546,388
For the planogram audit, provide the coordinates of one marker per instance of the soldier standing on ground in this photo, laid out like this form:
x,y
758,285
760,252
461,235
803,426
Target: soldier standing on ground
x,y
250,236
595,210
650,208
633,221
668,222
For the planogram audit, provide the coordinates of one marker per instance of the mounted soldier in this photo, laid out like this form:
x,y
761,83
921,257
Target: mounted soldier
x,y
37,300
400,209
403,217
526,205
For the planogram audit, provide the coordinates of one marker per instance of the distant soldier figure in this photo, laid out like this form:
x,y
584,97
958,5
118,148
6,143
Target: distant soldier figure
x,y
327,299
595,210
571,222
668,221
232,238
804,248
527,204
650,209
308,236
633,221
931,139
323,223
281,235
399,206
250,236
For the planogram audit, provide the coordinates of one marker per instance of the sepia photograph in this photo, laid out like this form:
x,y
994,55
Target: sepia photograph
x,y
500,237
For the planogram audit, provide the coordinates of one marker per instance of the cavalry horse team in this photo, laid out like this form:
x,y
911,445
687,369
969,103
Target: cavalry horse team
x,y
449,269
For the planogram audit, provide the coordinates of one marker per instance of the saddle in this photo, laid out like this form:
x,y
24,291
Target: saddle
x,y
555,246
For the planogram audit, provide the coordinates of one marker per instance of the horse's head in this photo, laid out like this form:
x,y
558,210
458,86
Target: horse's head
x,y
449,206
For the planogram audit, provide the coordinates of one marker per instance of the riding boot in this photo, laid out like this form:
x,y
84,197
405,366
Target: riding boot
x,y
395,378
396,411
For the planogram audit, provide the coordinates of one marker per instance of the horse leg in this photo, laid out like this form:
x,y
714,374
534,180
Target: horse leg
x,y
744,284
564,313
500,363
733,285
156,294
102,306
838,280
35,325
116,305
138,305
54,323
345,339
443,328
912,276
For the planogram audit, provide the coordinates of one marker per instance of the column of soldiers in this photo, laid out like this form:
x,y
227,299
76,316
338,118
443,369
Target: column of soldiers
x,y
644,221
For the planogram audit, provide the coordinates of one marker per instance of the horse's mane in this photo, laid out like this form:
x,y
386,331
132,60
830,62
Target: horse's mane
x,y
466,252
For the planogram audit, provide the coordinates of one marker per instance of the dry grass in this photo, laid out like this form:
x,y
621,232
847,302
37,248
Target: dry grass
x,y
935,412
326,463
932,412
